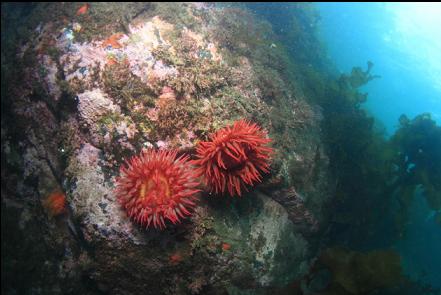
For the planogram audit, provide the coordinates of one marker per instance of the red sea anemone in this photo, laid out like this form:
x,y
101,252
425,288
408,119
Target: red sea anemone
x,y
157,186
55,203
234,157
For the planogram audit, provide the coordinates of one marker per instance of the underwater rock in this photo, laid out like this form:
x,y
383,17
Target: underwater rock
x,y
93,200
51,77
92,106
169,78
263,249
281,254
294,203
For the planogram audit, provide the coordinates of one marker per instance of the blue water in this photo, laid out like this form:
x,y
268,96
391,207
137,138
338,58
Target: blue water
x,y
420,250
404,42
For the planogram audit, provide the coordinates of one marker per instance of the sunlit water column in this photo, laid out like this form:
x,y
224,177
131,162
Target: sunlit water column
x,y
403,41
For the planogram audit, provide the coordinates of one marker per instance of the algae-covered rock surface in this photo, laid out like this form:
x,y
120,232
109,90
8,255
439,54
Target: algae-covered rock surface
x,y
87,86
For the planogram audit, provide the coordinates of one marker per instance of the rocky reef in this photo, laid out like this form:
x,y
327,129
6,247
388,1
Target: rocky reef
x,y
84,88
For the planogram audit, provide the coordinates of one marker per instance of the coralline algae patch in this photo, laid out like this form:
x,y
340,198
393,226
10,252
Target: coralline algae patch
x,y
140,43
86,66
81,60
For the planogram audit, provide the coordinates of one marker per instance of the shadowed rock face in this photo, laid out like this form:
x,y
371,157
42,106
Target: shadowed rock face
x,y
74,110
